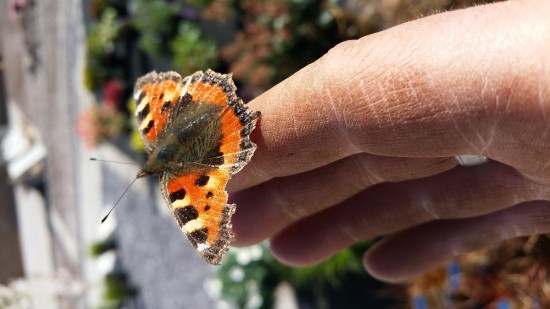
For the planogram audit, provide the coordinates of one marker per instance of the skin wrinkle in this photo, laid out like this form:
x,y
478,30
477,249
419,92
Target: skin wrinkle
x,y
284,203
340,124
427,205
337,110
459,125
297,207
348,232
293,207
293,115
543,89
392,103
367,176
375,105
541,192
493,132
369,105
295,126
481,144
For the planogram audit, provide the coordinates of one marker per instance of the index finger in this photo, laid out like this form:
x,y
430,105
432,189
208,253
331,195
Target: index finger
x,y
441,86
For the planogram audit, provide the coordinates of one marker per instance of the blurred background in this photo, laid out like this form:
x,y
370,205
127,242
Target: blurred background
x,y
67,69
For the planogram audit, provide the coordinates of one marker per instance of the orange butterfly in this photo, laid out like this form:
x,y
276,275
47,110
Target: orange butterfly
x,y
196,131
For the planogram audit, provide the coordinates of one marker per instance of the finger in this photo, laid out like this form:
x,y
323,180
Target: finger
x,y
285,200
428,88
416,250
388,208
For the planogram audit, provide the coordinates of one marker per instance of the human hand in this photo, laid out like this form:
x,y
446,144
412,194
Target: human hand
x,y
361,143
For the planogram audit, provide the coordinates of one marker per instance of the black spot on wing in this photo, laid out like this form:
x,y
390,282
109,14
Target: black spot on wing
x,y
165,106
178,195
238,110
245,118
143,113
174,77
149,126
245,131
245,143
202,180
242,156
141,96
199,236
186,214
186,99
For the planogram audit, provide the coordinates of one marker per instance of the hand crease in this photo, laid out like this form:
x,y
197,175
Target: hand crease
x,y
368,177
341,123
427,205
347,231
280,198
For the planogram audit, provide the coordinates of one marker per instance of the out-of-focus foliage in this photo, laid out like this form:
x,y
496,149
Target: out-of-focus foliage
x,y
277,38
157,23
191,51
249,276
99,123
117,290
100,45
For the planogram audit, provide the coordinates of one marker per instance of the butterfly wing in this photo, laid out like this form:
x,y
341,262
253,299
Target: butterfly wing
x,y
196,196
237,121
155,96
199,204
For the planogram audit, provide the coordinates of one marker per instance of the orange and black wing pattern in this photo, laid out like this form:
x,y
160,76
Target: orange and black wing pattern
x,y
191,112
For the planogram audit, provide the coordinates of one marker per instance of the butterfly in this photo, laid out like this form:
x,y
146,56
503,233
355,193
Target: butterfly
x,y
197,134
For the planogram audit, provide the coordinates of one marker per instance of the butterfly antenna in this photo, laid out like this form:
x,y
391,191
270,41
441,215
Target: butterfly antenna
x,y
116,203
111,161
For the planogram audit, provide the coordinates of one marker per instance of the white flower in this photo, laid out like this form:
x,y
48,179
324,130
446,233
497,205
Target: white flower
x,y
243,257
236,273
106,262
213,288
223,304
255,300
246,255
256,252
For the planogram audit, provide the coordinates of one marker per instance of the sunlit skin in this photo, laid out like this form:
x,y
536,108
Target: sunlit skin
x,y
361,143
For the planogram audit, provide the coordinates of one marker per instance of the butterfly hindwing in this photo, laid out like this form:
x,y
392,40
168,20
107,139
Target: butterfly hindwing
x,y
199,204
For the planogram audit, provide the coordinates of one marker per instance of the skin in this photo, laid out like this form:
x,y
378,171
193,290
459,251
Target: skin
x,y
361,144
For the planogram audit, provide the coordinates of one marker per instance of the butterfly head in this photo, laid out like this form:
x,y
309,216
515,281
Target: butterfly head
x,y
145,172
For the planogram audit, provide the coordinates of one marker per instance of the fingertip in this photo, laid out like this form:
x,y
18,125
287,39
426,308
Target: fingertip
x,y
381,266
407,254
286,254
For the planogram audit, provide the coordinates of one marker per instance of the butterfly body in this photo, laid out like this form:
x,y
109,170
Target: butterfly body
x,y
196,131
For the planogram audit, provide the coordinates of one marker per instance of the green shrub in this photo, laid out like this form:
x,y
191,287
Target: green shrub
x,y
192,52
